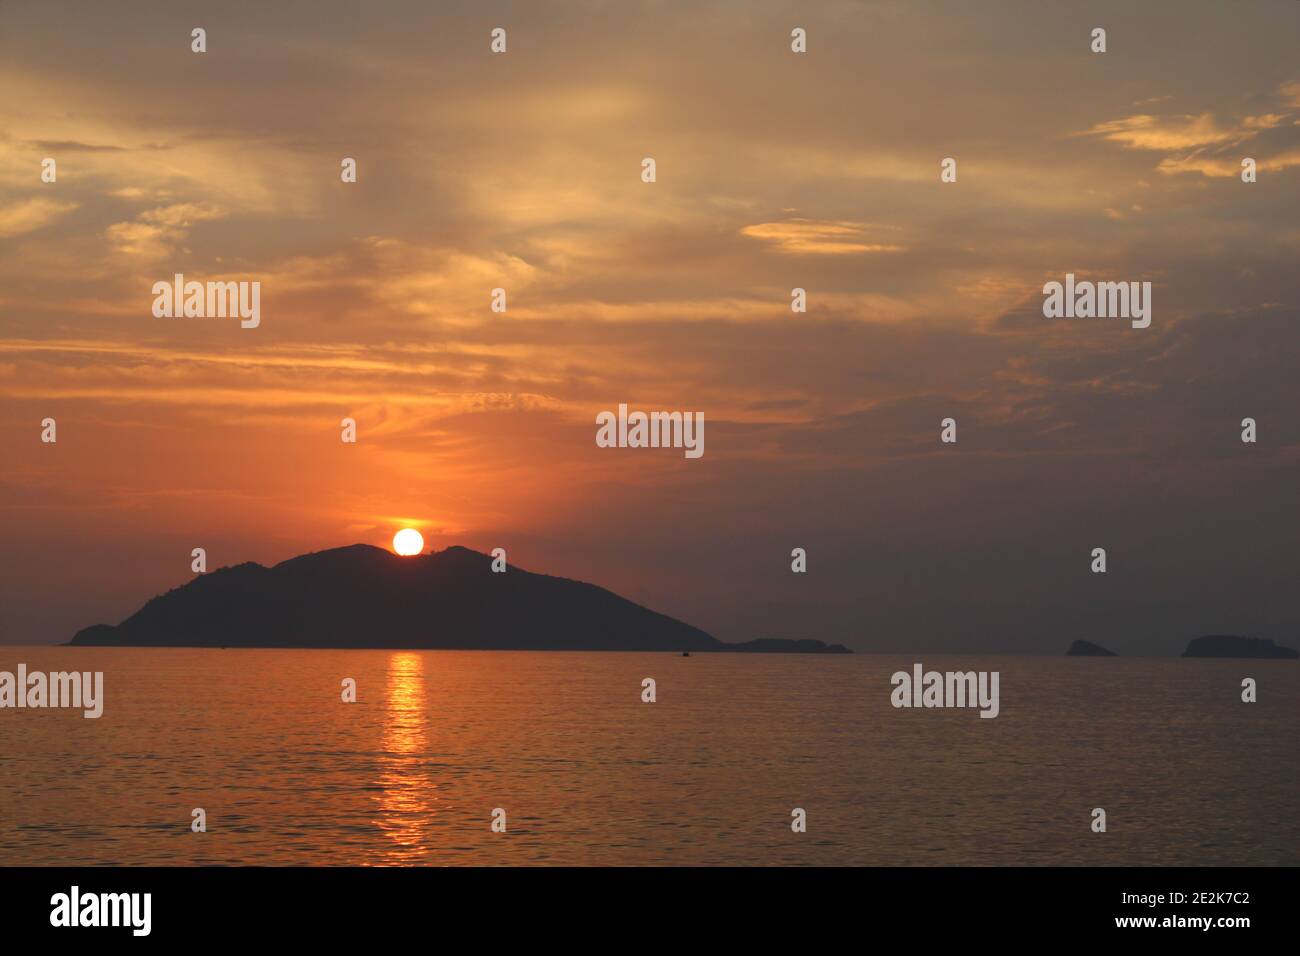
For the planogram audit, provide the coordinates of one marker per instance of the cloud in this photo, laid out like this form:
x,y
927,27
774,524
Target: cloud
x,y
28,215
1145,131
72,146
1227,166
810,237
155,233
1202,143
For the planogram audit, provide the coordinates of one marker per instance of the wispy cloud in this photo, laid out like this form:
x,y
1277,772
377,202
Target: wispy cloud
x,y
1200,143
809,237
28,215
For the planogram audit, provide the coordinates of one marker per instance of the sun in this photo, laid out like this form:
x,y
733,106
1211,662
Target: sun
x,y
408,541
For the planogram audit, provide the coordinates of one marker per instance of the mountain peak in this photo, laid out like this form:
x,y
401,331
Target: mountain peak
x,y
364,596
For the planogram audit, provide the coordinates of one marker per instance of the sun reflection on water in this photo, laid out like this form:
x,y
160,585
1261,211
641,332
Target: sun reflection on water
x,y
406,804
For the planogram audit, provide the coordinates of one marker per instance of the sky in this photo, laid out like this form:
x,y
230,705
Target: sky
x,y
774,170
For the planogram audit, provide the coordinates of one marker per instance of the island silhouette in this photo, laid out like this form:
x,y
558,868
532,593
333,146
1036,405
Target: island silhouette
x,y
367,597
1088,649
1229,645
1212,645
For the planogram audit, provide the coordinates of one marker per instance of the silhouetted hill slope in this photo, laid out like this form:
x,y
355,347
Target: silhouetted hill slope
x,y
1088,649
778,645
362,596
1224,645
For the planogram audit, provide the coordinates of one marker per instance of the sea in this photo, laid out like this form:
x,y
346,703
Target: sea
x,y
562,751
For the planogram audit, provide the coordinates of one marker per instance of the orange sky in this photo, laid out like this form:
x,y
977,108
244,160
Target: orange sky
x,y
774,171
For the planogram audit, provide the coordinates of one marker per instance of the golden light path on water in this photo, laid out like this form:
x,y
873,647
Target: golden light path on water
x,y
406,805
291,775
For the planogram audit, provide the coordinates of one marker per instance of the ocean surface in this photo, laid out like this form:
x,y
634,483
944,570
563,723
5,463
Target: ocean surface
x,y
589,774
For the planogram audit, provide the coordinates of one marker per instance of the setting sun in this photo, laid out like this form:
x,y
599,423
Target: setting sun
x,y
408,541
